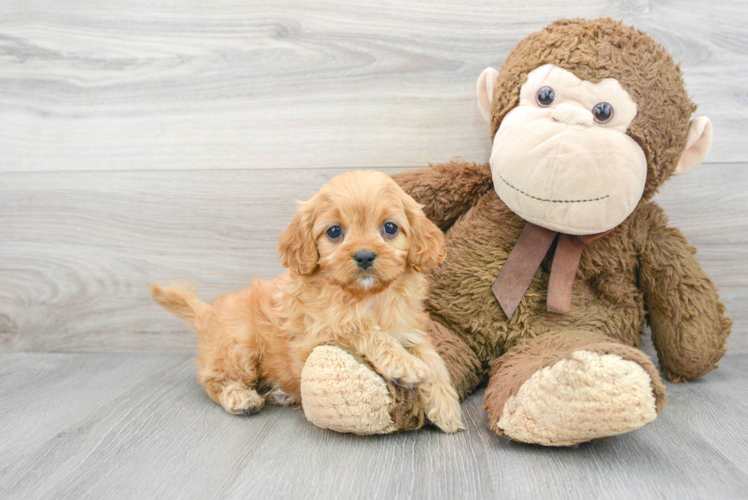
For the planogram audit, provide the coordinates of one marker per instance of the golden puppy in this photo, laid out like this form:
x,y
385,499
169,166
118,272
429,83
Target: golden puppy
x,y
357,255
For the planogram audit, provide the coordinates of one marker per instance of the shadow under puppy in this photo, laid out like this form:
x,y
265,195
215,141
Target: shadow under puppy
x,y
357,255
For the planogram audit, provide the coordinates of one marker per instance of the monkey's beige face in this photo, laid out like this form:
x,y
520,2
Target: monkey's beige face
x,y
562,160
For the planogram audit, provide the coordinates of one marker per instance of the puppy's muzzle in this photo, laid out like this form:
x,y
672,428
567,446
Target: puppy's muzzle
x,y
364,259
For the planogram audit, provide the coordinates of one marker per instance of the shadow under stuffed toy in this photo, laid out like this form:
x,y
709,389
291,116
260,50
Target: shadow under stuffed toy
x,y
556,257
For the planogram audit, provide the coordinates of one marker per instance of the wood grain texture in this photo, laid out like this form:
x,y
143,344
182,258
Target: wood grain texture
x,y
41,394
167,140
79,249
133,85
162,437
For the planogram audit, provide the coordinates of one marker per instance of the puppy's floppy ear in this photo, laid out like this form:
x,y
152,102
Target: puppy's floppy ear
x,y
296,246
426,240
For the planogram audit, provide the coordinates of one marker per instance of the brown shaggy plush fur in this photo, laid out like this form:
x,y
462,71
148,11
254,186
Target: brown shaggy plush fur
x,y
642,272
465,369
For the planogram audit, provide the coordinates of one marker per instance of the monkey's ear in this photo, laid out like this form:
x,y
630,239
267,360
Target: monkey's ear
x,y
698,142
486,83
296,246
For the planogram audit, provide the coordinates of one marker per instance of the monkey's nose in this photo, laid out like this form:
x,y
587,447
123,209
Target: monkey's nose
x,y
572,115
365,259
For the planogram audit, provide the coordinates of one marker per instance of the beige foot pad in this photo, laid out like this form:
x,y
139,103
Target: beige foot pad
x,y
340,393
577,400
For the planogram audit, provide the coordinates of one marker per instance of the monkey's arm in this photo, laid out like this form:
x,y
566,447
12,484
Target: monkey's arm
x,y
688,321
447,190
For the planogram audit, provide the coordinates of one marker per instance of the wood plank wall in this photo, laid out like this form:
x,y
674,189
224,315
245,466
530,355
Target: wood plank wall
x,y
167,140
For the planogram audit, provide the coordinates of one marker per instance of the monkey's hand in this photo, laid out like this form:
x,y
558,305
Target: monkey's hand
x,y
339,391
688,323
446,190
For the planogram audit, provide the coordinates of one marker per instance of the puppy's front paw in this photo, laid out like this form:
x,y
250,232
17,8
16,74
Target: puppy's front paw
x,y
447,418
443,407
238,400
407,371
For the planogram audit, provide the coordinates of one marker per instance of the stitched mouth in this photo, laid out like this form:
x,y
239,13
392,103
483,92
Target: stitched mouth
x,y
550,201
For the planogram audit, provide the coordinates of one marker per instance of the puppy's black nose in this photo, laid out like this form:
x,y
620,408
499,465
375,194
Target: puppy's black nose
x,y
365,259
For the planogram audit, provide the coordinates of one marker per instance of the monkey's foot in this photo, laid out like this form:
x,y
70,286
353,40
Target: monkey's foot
x,y
586,397
341,393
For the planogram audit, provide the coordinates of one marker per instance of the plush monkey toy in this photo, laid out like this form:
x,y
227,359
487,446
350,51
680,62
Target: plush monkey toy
x,y
556,257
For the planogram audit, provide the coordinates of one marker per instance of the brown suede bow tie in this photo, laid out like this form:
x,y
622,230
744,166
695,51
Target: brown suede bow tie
x,y
525,259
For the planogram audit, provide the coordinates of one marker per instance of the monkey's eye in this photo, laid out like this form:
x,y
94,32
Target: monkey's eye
x,y
603,112
390,229
545,97
334,232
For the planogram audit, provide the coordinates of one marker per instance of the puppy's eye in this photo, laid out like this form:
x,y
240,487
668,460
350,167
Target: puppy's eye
x,y
334,232
603,112
545,97
390,229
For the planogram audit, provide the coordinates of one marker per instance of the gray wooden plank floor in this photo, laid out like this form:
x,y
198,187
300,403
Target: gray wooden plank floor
x,y
139,426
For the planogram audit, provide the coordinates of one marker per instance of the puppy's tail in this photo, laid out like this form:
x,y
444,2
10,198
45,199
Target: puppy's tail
x,y
182,302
